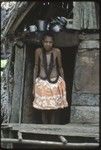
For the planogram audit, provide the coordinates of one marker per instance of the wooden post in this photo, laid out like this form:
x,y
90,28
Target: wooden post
x,y
6,133
27,114
18,75
22,86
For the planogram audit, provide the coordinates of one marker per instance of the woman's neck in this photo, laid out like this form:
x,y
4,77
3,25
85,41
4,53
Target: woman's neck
x,y
50,51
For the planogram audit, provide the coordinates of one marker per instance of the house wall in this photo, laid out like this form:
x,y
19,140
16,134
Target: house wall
x,y
85,93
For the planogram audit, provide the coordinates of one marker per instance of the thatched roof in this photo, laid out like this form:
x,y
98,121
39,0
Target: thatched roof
x,y
13,15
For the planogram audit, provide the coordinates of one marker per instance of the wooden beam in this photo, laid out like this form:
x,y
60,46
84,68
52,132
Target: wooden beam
x,y
89,44
78,130
92,36
18,75
22,86
66,39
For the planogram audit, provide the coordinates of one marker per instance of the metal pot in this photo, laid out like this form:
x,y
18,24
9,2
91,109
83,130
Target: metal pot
x,y
42,25
56,27
60,20
63,21
32,28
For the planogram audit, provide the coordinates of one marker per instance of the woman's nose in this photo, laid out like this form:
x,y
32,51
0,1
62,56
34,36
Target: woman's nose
x,y
48,43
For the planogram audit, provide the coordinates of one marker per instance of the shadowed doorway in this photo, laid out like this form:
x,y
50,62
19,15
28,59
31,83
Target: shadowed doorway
x,y
68,61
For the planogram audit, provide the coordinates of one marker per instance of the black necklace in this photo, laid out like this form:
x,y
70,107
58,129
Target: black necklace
x,y
48,70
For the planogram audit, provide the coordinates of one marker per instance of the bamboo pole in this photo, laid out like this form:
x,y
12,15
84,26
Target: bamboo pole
x,y
50,143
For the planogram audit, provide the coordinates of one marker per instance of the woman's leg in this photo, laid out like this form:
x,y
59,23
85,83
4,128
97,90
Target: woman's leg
x,y
48,117
44,117
52,117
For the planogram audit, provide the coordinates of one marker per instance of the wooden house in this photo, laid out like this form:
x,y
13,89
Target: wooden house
x,y
79,44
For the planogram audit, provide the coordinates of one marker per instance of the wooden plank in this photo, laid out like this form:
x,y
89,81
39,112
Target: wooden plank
x,y
66,39
81,130
86,76
6,133
22,86
89,44
82,114
18,75
27,113
63,38
94,36
85,99
84,15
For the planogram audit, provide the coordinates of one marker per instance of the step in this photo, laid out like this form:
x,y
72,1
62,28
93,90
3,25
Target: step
x,y
70,129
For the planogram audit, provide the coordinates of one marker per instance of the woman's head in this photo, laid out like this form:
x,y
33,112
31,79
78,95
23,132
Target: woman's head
x,y
48,41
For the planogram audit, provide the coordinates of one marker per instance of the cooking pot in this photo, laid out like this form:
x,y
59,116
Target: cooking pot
x,y
60,20
32,28
42,25
56,27
63,21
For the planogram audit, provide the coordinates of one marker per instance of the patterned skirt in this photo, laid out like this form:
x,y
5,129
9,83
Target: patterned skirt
x,y
50,96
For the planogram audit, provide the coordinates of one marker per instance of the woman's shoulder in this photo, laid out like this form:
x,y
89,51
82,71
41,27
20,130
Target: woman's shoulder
x,y
57,50
38,50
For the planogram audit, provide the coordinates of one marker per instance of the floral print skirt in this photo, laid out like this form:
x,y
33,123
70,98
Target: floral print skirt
x,y
50,96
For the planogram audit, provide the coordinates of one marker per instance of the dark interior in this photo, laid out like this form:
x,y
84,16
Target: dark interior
x,y
47,12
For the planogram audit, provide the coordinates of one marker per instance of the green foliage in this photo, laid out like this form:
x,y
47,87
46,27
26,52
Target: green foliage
x,y
3,63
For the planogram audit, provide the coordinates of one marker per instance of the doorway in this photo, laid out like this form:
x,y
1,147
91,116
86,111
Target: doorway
x,y
68,61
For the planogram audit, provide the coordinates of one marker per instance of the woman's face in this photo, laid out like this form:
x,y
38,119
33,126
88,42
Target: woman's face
x,y
47,43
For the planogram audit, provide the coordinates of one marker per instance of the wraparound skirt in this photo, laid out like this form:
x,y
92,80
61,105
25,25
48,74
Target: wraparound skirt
x,y
50,96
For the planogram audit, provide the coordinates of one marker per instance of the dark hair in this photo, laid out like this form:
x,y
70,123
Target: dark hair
x,y
48,33
49,70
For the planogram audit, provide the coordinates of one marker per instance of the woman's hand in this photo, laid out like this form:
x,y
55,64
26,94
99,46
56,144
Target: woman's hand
x,y
33,92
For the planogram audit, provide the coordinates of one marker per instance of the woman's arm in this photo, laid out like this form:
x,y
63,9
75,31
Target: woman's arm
x,y
36,66
59,60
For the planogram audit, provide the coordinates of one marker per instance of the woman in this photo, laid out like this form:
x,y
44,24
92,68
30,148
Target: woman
x,y
49,89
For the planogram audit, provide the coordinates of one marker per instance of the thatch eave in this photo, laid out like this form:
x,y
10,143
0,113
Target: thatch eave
x,y
19,13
